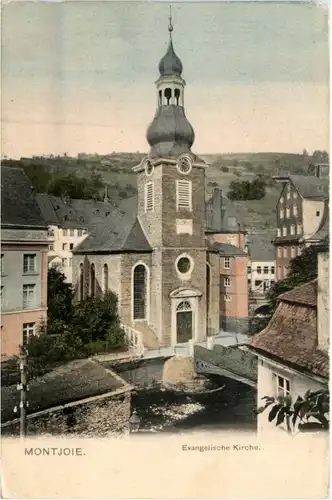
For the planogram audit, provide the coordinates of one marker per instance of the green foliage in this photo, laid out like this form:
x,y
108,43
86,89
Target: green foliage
x,y
48,175
247,190
73,330
303,269
225,169
314,405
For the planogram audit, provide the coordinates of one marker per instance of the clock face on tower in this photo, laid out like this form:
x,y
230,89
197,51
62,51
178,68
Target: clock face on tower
x,y
148,168
184,164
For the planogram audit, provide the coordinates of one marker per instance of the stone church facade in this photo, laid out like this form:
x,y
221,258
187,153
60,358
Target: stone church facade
x,y
153,251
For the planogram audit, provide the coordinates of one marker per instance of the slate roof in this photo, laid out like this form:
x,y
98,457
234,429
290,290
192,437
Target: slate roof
x,y
226,249
260,247
47,209
222,216
19,206
121,232
74,381
291,335
311,187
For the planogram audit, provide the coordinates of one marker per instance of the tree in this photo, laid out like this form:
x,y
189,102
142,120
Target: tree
x,y
59,300
247,190
314,405
303,268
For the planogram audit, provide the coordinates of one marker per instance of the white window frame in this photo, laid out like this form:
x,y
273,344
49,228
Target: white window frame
x,y
227,282
29,296
285,252
228,298
29,263
278,232
183,195
293,252
149,196
284,231
299,228
295,194
259,269
266,270
279,251
287,213
282,385
227,262
292,230
282,213
71,232
295,211
29,330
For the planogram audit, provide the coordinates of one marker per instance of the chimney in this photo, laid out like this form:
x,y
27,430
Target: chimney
x,y
323,299
217,209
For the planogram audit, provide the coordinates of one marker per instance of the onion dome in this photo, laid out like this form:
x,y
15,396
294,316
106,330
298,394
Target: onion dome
x,y
170,64
170,133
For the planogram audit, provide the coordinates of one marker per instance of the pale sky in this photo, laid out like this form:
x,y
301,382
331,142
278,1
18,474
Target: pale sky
x,y
79,76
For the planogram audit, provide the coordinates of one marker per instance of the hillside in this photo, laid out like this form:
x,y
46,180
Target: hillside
x,y
116,171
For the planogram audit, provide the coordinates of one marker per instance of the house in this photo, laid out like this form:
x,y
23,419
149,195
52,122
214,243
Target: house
x,y
300,211
69,222
226,234
24,245
262,264
154,252
81,397
292,350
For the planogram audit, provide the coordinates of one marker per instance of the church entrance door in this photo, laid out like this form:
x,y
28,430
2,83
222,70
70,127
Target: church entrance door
x,y
184,322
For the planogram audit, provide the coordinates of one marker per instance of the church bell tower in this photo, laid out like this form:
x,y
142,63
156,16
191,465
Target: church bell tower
x,y
171,210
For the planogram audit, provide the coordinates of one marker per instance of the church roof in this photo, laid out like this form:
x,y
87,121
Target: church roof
x,y
120,232
19,206
170,64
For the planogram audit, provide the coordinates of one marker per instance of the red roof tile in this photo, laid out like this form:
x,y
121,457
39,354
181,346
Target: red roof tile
x,y
303,294
291,338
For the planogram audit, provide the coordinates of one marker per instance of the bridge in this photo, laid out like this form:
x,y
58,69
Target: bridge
x,y
221,354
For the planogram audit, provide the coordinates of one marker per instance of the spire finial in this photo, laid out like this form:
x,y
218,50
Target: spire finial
x,y
170,26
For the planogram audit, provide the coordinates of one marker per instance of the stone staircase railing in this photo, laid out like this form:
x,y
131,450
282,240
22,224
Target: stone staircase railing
x,y
133,339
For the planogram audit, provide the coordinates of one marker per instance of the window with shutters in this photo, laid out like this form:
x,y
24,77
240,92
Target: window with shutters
x,y
183,194
149,196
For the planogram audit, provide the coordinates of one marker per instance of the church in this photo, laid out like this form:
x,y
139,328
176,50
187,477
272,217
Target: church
x,y
159,251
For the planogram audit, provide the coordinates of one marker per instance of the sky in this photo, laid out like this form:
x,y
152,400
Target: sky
x,y
79,76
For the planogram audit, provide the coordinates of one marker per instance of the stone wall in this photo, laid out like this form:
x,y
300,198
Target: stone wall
x,y
99,418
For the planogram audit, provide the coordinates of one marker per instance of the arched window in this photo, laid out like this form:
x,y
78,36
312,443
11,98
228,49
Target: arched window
x,y
92,280
81,282
140,292
177,96
105,276
160,97
168,94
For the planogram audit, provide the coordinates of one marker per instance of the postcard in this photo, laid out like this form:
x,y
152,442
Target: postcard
x,y
165,306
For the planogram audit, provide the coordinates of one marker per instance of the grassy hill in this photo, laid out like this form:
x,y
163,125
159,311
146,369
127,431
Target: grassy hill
x,y
116,171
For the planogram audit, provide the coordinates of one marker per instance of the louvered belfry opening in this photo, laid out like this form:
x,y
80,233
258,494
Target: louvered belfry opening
x,y
140,292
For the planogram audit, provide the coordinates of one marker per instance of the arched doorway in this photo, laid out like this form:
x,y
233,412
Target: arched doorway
x,y
184,322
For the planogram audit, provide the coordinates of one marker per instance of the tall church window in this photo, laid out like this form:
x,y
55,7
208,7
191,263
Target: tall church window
x,y
168,95
140,291
105,276
183,194
81,282
92,280
177,96
149,196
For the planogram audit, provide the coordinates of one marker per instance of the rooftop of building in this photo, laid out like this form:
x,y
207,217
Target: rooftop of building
x,y
222,216
19,207
260,246
226,249
291,337
72,382
311,187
